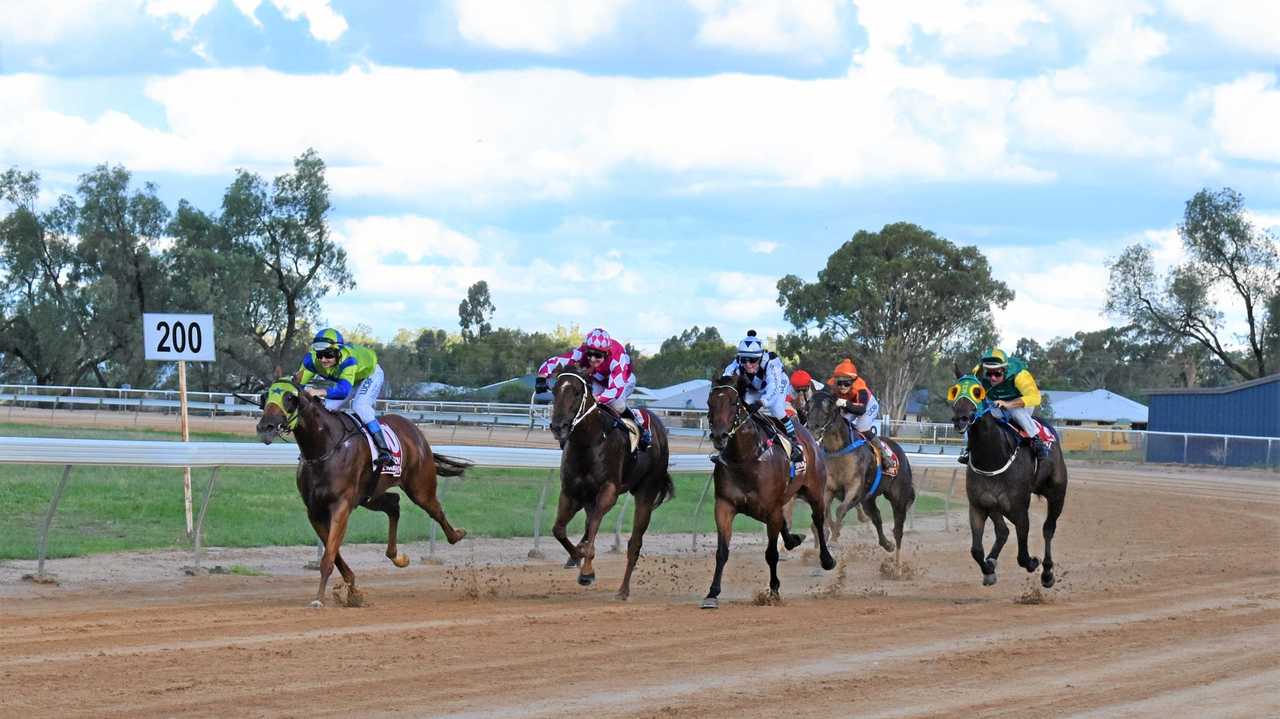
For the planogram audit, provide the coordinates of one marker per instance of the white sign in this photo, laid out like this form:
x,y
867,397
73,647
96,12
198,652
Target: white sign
x,y
178,337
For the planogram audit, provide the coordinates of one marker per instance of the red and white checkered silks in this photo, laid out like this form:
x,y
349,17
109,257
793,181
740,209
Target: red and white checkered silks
x,y
612,379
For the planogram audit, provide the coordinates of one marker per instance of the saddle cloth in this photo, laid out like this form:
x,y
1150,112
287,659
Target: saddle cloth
x,y
393,443
1043,431
884,453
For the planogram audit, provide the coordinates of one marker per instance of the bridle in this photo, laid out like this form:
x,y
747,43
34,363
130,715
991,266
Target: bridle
x,y
740,418
583,408
980,410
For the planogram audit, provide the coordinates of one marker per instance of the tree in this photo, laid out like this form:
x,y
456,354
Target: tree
x,y
285,229
475,311
895,300
695,353
1225,254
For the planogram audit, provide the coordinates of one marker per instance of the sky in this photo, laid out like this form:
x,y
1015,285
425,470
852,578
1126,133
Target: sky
x,y
651,165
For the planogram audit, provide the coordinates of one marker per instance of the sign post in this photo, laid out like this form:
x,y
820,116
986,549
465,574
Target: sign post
x,y
170,337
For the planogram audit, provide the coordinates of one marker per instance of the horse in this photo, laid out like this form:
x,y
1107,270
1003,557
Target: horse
x,y
597,466
1002,474
335,474
753,478
853,474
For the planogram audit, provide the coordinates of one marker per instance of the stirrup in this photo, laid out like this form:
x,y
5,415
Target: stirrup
x,y
963,458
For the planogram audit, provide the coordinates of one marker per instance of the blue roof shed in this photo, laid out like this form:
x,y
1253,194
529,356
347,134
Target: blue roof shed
x,y
1251,409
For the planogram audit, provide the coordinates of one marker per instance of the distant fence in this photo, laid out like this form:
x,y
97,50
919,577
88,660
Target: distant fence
x,y
1103,443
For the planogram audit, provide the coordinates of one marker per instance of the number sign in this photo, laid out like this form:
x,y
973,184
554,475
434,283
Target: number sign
x,y
178,337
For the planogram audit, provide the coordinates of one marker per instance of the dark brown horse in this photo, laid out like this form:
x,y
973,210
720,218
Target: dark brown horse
x,y
753,478
1003,473
597,466
851,472
335,474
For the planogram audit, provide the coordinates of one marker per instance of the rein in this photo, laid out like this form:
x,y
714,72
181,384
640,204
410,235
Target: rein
x,y
583,409
981,410
342,441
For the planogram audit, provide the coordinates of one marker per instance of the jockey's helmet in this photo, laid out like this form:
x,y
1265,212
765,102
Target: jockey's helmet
x,y
750,347
327,338
801,379
598,339
994,358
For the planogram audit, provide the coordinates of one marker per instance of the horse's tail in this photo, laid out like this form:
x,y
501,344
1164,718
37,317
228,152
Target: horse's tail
x,y
447,466
666,488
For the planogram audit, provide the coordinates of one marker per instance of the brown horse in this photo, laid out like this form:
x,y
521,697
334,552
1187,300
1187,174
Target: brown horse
x,y
852,469
1003,473
753,478
335,474
597,466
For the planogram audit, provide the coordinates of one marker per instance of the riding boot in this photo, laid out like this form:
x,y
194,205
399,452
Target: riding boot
x,y
645,437
384,458
1041,449
964,456
797,452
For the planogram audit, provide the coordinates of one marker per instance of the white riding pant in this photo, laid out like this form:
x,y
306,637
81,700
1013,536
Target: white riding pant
x,y
1022,417
361,398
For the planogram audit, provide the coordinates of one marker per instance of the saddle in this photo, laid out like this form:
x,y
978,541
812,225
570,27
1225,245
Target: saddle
x,y
1046,433
396,466
774,432
630,425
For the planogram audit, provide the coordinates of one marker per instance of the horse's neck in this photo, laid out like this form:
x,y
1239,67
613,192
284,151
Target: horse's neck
x,y
315,431
746,440
839,439
988,440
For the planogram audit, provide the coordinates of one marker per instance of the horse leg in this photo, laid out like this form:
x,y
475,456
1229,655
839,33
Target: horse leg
x,y
828,504
389,503
423,494
869,506
978,522
339,513
564,512
773,527
724,532
1022,523
819,512
1050,526
1002,536
595,514
899,524
644,508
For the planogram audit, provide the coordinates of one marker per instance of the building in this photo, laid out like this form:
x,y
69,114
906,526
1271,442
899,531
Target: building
x,y
1248,414
1097,408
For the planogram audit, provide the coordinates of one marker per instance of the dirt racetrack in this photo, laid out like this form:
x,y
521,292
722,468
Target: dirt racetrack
x,y
1168,605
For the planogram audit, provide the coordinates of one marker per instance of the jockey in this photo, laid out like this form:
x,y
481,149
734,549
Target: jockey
x,y
1011,387
854,397
803,385
611,379
766,387
357,380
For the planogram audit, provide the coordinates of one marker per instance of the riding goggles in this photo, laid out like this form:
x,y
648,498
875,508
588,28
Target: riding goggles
x,y
844,383
328,352
742,359
594,354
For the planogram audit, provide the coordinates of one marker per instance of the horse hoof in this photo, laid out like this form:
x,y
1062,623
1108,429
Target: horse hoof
x,y
1032,565
400,561
988,580
888,545
990,568
457,536
571,563
1046,580
828,562
622,596
587,580
711,603
791,541
316,604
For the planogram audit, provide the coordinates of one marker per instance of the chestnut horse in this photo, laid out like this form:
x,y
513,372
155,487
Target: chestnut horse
x,y
597,466
1003,473
335,474
753,478
852,472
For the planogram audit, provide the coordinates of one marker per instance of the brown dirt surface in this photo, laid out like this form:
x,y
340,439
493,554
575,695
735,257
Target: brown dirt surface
x,y
1167,605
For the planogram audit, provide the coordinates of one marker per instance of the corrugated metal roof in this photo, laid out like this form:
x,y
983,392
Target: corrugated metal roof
x,y
1217,390
695,398
1100,405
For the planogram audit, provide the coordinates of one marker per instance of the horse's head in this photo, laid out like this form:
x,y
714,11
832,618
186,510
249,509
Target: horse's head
x,y
823,413
966,397
571,400
724,408
280,405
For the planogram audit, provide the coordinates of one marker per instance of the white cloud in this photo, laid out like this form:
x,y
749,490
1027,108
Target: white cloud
x,y
764,247
324,23
975,28
187,13
1246,113
543,26
1251,25
25,24
369,239
770,26
567,309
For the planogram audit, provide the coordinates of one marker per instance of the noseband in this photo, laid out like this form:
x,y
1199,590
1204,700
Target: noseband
x,y
583,409
740,418
979,411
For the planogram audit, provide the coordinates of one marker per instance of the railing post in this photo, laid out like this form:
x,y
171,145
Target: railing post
x,y
42,546
617,528
536,553
198,532
698,509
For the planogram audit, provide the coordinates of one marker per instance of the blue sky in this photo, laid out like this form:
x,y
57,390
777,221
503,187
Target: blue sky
x,y
651,165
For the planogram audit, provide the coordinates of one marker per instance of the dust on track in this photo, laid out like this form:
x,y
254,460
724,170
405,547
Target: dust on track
x,y
1167,605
